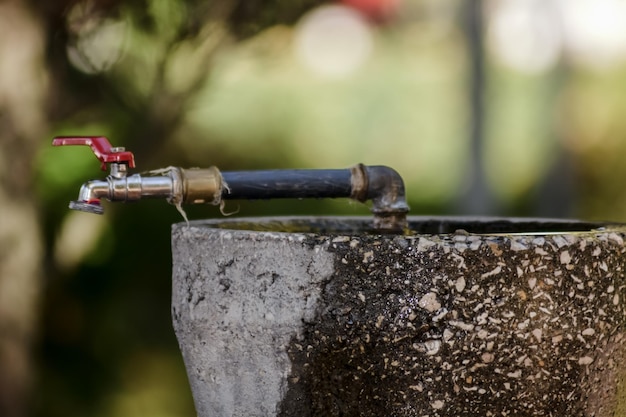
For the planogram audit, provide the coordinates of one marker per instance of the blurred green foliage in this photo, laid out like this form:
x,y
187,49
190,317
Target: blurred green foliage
x,y
194,83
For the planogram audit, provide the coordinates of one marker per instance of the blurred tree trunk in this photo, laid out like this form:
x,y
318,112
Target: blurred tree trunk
x,y
22,122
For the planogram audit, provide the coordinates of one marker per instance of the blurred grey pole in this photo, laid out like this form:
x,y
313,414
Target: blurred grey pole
x,y
556,193
476,197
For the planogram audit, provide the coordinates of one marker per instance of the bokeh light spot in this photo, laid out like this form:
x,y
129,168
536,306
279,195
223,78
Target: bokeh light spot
x,y
333,41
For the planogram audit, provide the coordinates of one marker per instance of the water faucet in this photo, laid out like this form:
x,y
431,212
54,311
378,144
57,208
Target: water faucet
x,y
381,184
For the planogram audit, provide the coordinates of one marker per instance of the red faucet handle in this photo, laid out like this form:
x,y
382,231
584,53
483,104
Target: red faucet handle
x,y
100,147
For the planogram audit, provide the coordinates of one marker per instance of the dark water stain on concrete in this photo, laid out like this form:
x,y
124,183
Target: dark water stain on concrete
x,y
465,325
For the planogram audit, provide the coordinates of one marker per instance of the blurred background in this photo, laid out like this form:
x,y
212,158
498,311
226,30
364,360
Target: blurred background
x,y
484,107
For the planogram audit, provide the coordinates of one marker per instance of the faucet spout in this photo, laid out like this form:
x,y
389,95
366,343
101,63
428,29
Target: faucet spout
x,y
89,197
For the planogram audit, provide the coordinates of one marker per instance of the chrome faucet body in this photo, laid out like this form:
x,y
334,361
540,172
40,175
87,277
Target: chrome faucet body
x,y
178,186
127,188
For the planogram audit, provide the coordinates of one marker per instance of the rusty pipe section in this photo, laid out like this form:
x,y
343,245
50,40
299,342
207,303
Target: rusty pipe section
x,y
380,184
385,187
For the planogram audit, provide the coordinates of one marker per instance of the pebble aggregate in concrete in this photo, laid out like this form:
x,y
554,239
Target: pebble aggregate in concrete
x,y
468,326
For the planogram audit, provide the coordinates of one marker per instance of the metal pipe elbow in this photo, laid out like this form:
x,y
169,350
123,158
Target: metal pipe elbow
x,y
385,187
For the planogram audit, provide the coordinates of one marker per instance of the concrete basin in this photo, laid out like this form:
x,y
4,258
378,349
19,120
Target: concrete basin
x,y
457,317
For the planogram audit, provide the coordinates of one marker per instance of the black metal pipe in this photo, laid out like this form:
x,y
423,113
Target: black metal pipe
x,y
288,183
381,184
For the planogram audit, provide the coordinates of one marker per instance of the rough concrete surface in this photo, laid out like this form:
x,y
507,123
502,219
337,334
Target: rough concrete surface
x,y
238,301
474,320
